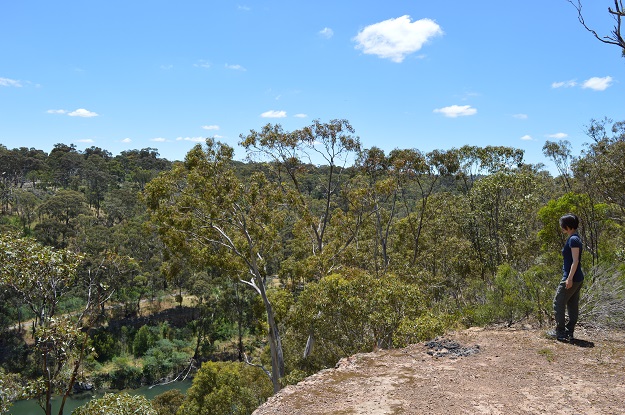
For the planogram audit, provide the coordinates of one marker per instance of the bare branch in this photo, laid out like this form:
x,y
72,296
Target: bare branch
x,y
249,362
618,13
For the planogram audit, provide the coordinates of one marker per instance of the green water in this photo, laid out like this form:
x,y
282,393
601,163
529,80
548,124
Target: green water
x,y
30,407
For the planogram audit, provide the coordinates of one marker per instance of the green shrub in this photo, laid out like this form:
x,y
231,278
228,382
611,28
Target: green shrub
x,y
226,388
117,404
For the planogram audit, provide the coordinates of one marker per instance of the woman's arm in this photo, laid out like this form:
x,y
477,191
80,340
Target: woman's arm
x,y
569,280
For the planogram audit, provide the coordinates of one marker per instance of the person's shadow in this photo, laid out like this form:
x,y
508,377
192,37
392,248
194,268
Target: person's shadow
x,y
582,343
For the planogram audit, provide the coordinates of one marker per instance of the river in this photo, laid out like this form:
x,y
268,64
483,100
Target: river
x,y
30,407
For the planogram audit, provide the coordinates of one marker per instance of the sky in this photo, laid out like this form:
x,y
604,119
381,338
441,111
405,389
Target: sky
x,y
419,74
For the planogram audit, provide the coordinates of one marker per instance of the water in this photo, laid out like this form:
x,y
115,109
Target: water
x,y
30,407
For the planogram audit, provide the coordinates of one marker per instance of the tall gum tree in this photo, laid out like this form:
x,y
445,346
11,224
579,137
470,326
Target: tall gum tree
x,y
292,155
202,208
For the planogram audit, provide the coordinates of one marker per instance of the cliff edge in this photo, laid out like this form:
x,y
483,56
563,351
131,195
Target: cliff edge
x,y
475,371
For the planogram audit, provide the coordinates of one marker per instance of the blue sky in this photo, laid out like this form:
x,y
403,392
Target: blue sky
x,y
406,74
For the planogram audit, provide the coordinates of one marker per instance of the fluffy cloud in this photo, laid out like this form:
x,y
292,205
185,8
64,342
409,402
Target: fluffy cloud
x,y
211,127
394,39
455,111
559,136
192,139
273,114
527,137
56,112
326,32
598,84
126,140
159,139
10,82
81,112
300,115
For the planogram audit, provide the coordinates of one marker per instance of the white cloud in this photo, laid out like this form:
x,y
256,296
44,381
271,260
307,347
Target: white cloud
x,y
56,112
159,139
454,111
326,32
81,112
565,84
597,84
394,39
236,67
273,114
202,64
527,137
210,127
126,140
10,82
86,140
217,136
300,115
559,136
193,139
520,116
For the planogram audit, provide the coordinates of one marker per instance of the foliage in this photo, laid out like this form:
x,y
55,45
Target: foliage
x,y
349,313
168,403
226,388
117,404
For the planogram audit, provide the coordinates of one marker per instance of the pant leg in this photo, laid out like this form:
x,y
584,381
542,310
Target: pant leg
x,y
559,307
573,306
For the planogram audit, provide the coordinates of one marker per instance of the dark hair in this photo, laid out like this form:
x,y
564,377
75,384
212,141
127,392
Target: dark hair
x,y
569,221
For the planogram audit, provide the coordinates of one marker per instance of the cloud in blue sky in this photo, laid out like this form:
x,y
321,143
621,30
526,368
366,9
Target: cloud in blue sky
x,y
236,67
595,83
326,32
527,137
559,136
10,82
520,116
159,139
210,127
273,114
395,39
300,115
81,112
192,139
598,84
454,111
126,140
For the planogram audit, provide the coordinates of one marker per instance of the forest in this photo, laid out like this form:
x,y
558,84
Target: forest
x,y
246,276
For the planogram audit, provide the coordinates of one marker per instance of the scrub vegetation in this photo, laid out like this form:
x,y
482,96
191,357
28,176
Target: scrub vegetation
x,y
129,270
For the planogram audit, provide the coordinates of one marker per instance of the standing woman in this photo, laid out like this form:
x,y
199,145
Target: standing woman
x,y
567,293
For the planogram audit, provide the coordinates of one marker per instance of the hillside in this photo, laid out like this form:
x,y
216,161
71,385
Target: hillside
x,y
482,371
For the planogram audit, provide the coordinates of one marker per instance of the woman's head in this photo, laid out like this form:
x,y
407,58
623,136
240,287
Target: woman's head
x,y
569,221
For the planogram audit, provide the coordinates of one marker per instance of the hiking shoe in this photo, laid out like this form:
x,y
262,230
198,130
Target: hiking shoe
x,y
559,336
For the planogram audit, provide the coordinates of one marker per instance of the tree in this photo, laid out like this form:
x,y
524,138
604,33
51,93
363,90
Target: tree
x,y
291,154
618,13
226,388
117,404
204,209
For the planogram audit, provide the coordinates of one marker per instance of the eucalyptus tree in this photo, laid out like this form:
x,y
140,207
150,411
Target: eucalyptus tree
x,y
203,209
292,155
42,277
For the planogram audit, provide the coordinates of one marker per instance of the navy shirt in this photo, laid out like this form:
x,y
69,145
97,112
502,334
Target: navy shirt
x,y
574,241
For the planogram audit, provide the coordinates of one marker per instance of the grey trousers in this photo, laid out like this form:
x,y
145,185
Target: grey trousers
x,y
567,300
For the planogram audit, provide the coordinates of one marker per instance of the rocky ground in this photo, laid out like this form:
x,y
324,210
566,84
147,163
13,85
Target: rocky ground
x,y
475,371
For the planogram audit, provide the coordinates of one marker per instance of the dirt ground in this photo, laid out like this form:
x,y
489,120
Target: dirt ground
x,y
483,371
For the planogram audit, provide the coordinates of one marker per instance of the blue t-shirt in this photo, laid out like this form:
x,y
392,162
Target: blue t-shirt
x,y
574,241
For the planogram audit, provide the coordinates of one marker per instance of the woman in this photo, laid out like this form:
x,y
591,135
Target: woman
x,y
567,293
